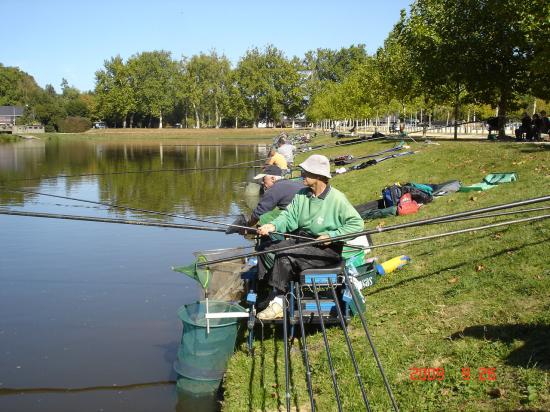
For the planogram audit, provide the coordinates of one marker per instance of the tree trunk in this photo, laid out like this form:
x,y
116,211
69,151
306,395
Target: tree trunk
x,y
124,123
197,118
502,114
457,107
160,120
132,121
217,114
149,124
236,122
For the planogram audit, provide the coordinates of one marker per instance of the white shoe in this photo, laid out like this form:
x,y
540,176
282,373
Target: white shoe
x,y
273,311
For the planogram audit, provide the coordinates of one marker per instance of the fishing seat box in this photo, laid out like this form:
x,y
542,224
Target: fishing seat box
x,y
309,307
322,275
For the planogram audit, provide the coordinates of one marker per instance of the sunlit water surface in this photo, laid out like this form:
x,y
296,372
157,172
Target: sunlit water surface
x,y
88,310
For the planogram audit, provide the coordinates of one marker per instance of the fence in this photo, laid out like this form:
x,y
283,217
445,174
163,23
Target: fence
x,y
369,126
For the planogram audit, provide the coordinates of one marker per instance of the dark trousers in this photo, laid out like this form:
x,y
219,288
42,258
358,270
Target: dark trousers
x,y
289,263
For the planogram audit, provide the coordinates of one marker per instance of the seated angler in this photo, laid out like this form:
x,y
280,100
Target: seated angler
x,y
278,193
276,159
288,150
319,211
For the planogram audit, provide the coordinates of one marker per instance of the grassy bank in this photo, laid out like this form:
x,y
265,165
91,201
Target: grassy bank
x,y
477,300
169,135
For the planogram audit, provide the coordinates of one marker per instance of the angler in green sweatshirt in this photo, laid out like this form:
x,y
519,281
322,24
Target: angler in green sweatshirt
x,y
319,211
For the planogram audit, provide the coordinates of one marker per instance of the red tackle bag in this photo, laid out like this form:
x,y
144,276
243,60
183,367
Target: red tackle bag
x,y
407,206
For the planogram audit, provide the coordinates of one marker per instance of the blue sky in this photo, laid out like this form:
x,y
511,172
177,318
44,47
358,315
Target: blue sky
x,y
71,39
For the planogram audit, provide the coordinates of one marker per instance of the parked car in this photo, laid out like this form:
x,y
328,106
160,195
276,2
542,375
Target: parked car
x,y
99,125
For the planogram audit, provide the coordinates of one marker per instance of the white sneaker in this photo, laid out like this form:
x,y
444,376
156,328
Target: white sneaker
x,y
273,311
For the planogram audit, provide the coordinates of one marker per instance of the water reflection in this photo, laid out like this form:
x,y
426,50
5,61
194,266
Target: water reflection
x,y
94,305
137,175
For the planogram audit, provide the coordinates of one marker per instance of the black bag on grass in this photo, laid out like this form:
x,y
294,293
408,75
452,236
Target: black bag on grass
x,y
418,195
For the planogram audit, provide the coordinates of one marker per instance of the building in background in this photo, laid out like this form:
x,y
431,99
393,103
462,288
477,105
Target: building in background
x,y
9,114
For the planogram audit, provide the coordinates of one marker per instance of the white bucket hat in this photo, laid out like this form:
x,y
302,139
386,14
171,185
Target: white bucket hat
x,y
318,165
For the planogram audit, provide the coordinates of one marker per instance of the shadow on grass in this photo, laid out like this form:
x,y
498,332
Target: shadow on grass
x,y
534,353
458,265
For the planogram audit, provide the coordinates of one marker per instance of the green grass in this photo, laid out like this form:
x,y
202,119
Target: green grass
x,y
8,138
468,301
186,136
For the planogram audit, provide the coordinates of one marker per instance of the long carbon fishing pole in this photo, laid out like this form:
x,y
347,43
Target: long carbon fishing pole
x,y
399,242
109,220
329,146
112,205
327,347
348,343
305,354
196,219
483,216
285,343
131,386
395,148
125,172
438,219
371,343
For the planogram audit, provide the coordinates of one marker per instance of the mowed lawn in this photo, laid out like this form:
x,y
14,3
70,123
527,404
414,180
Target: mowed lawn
x,y
470,302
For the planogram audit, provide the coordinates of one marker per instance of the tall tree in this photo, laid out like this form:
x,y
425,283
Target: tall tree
x,y
484,48
153,80
205,85
269,83
114,90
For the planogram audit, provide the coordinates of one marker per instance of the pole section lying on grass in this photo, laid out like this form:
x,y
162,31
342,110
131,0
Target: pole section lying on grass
x,y
371,343
304,346
285,343
348,343
327,347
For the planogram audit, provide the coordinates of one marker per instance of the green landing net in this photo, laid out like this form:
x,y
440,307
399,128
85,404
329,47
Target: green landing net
x,y
196,271
220,280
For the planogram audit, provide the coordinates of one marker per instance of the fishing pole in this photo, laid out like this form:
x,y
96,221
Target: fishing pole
x,y
112,205
110,220
400,242
304,346
131,386
348,343
327,146
371,343
327,347
394,227
285,343
513,212
395,148
124,172
251,229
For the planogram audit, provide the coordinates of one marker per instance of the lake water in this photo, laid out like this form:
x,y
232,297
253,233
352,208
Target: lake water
x,y
88,310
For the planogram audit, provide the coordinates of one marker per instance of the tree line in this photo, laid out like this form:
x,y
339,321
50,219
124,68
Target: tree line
x,y
442,59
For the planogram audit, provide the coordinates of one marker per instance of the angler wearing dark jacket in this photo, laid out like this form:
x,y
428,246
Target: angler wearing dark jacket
x,y
278,193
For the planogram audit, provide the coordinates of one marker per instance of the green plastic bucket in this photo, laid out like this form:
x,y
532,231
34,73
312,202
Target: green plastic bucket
x,y
202,356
